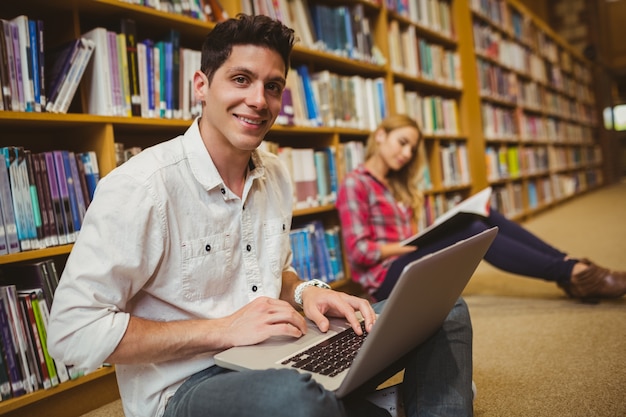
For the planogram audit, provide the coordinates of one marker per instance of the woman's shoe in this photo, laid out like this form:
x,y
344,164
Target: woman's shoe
x,y
596,282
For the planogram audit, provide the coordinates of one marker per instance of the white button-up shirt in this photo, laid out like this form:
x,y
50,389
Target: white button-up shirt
x,y
164,239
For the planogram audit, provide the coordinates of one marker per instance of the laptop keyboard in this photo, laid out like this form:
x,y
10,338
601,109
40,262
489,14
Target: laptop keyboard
x,y
331,356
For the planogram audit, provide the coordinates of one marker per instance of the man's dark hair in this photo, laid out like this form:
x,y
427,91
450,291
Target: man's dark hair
x,y
256,30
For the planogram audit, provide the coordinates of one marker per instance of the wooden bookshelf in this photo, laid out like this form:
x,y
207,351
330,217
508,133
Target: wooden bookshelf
x,y
575,156
539,121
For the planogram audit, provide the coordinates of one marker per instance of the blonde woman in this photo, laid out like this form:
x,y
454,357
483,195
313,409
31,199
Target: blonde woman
x,y
379,202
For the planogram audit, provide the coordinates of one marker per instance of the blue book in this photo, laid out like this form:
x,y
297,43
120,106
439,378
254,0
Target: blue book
x,y
33,33
322,255
331,156
150,72
92,173
334,251
313,113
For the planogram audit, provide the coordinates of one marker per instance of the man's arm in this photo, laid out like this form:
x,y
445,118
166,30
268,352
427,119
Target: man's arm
x,y
147,341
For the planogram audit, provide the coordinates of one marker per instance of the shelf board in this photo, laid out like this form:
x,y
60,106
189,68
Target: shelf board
x,y
35,254
100,384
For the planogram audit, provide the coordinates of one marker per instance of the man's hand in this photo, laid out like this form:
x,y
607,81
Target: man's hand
x,y
261,319
320,303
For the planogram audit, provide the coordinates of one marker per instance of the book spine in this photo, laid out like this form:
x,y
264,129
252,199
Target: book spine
x,y
70,82
23,48
60,70
4,248
92,174
61,369
19,209
78,189
36,300
35,341
55,199
17,327
5,81
42,64
150,77
122,57
33,33
64,196
34,198
129,29
10,350
71,191
169,80
8,214
174,38
17,57
114,71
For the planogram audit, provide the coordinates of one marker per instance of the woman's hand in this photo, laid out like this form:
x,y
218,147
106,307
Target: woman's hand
x,y
395,249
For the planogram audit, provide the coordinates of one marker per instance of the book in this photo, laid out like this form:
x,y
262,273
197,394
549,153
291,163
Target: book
x,y
99,91
33,34
5,80
66,180
5,381
43,98
24,57
39,303
63,196
24,359
22,205
6,208
92,172
129,29
15,375
478,203
34,198
74,77
62,58
55,198
34,341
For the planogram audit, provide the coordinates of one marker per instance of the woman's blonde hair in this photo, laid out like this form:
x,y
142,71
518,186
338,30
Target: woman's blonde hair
x,y
404,182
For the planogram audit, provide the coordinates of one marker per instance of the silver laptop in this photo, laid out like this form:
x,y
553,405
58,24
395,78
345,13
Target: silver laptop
x,y
425,293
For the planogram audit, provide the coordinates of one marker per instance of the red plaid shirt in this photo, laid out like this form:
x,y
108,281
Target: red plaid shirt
x,y
370,216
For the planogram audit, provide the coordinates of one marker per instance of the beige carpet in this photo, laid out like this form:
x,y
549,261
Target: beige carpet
x,y
536,352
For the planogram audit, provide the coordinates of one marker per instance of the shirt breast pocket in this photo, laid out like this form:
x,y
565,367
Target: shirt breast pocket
x,y
206,269
276,236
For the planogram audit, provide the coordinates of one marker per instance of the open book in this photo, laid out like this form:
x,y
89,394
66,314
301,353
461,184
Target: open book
x,y
479,204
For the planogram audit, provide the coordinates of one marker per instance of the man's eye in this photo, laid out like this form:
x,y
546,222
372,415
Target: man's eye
x,y
277,88
240,80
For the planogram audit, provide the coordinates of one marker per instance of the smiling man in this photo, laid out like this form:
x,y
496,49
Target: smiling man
x,y
185,252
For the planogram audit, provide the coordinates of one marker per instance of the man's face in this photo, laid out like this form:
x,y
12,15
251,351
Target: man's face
x,y
244,97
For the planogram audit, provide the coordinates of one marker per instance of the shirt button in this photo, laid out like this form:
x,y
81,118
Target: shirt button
x,y
248,248
223,190
284,227
254,288
207,248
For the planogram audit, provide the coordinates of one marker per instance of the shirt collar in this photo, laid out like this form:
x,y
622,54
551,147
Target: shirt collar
x,y
201,163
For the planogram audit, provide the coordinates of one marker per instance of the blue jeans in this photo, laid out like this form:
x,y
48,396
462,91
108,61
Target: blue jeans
x,y
437,382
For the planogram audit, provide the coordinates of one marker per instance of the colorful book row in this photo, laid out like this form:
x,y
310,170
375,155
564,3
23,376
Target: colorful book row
x,y
317,252
44,196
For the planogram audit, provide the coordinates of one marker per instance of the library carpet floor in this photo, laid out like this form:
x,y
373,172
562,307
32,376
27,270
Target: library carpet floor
x,y
536,352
